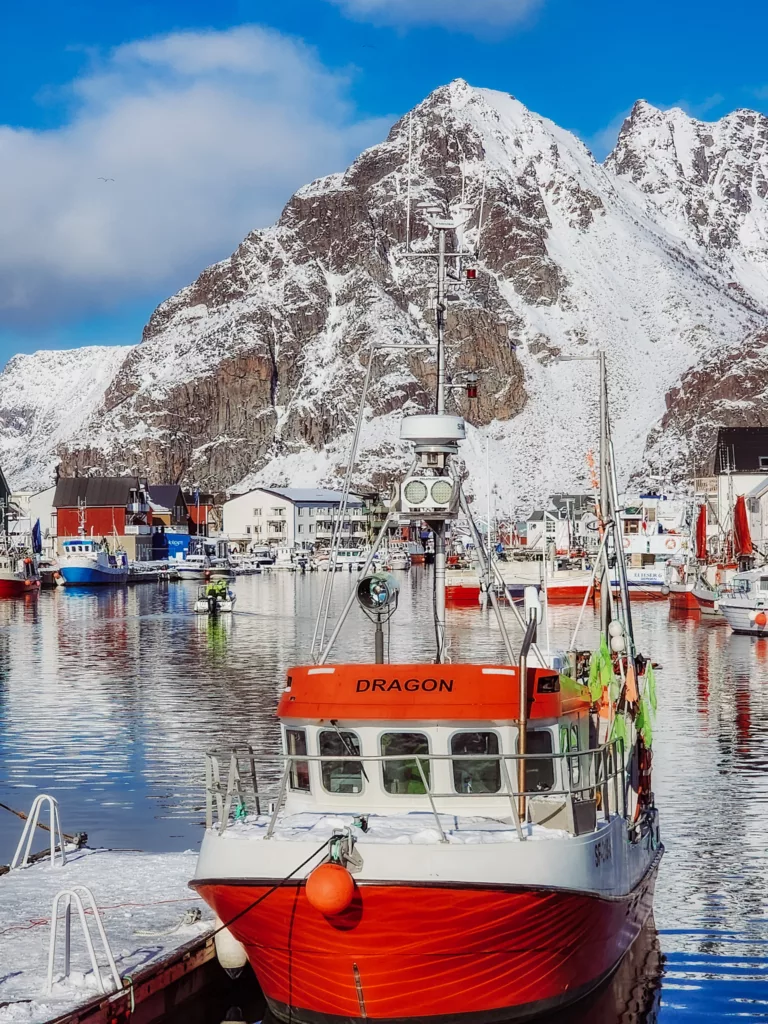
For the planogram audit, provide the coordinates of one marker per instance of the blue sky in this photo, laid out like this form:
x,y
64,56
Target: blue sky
x,y
208,115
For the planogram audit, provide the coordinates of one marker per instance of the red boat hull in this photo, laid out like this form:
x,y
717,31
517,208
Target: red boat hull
x,y
18,587
439,951
683,600
458,596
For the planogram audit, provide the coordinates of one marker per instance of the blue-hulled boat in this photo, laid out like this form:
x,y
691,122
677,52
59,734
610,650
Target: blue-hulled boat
x,y
87,563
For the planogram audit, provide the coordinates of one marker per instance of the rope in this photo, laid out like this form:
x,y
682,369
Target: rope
x,y
45,828
269,892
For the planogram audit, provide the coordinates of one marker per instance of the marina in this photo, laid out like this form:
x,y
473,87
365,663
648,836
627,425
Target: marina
x,y
141,782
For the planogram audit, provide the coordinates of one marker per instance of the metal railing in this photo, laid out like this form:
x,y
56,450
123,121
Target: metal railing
x,y
595,775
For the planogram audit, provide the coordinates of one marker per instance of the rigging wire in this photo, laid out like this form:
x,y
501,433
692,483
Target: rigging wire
x,y
321,624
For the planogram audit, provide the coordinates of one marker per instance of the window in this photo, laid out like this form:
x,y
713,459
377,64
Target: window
x,y
247,529
277,511
310,527
256,513
763,583
403,776
299,511
257,529
631,526
340,776
650,514
313,511
539,773
476,776
763,461
296,743
301,528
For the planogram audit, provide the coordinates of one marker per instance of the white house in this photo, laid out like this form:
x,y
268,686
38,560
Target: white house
x,y
291,517
757,510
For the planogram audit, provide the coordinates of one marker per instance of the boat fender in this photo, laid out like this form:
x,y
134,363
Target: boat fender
x,y
761,619
665,590
330,889
230,952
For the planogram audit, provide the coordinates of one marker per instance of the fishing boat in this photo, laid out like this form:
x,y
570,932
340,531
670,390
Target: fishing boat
x,y
438,840
397,557
684,571
215,599
18,572
716,576
86,562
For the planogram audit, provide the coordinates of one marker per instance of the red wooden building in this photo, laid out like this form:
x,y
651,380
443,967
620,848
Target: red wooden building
x,y
106,507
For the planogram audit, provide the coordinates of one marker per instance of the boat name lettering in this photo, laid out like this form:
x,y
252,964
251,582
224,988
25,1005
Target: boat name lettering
x,y
385,685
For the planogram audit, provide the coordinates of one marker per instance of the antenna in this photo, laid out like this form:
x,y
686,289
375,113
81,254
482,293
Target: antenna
x,y
408,198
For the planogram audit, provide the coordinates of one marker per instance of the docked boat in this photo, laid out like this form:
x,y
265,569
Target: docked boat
x,y
215,598
193,567
436,840
18,572
48,569
398,558
744,602
86,562
346,559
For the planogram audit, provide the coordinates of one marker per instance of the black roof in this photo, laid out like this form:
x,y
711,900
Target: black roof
x,y
739,449
167,495
96,491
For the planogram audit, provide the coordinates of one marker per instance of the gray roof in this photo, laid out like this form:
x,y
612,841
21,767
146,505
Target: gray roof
x,y
96,491
310,495
167,495
536,517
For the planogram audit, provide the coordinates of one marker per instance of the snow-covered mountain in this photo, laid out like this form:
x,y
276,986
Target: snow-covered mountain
x,y
253,373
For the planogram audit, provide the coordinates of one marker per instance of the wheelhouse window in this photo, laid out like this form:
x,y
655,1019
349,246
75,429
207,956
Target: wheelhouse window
x,y
539,773
403,775
480,776
344,776
296,743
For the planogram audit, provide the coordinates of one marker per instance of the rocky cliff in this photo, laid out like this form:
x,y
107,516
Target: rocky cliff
x,y
253,372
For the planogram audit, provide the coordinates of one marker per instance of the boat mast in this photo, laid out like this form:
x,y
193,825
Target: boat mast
x,y
438,528
605,577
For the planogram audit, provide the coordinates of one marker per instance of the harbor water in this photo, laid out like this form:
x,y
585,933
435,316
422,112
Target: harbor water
x,y
108,698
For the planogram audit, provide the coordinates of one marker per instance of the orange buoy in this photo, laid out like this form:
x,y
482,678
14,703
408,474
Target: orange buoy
x,y
330,889
761,619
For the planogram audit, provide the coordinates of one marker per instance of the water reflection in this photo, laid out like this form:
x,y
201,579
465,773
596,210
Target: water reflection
x,y
108,698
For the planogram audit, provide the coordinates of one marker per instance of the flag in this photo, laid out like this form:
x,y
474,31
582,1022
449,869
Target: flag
x,y
37,538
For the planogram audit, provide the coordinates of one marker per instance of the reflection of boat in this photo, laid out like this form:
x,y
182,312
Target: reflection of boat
x,y
744,603
86,563
215,599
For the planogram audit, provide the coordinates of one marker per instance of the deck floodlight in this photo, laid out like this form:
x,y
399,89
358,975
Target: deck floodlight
x,y
378,593
471,379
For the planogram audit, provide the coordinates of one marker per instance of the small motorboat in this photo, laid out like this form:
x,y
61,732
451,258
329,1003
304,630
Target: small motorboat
x,y
193,567
744,603
215,598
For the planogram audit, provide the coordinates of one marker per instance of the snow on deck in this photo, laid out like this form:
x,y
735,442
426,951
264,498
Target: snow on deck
x,y
138,895
416,828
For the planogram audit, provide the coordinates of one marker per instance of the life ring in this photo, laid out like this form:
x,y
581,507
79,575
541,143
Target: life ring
x,y
626,542
670,544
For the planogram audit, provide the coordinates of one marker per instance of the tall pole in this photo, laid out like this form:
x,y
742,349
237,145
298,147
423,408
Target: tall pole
x,y
439,527
605,580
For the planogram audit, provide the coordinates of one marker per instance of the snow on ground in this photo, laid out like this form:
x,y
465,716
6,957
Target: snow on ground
x,y
138,895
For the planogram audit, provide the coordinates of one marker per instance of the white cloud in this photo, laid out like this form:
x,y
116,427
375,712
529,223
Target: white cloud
x,y
474,16
205,133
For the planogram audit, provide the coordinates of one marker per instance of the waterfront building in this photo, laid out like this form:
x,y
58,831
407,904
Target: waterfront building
x,y
114,508
740,468
567,522
292,517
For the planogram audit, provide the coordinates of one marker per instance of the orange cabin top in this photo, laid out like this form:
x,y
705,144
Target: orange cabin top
x,y
426,693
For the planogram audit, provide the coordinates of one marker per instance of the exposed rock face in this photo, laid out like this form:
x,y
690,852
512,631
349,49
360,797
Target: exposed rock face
x,y
254,371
